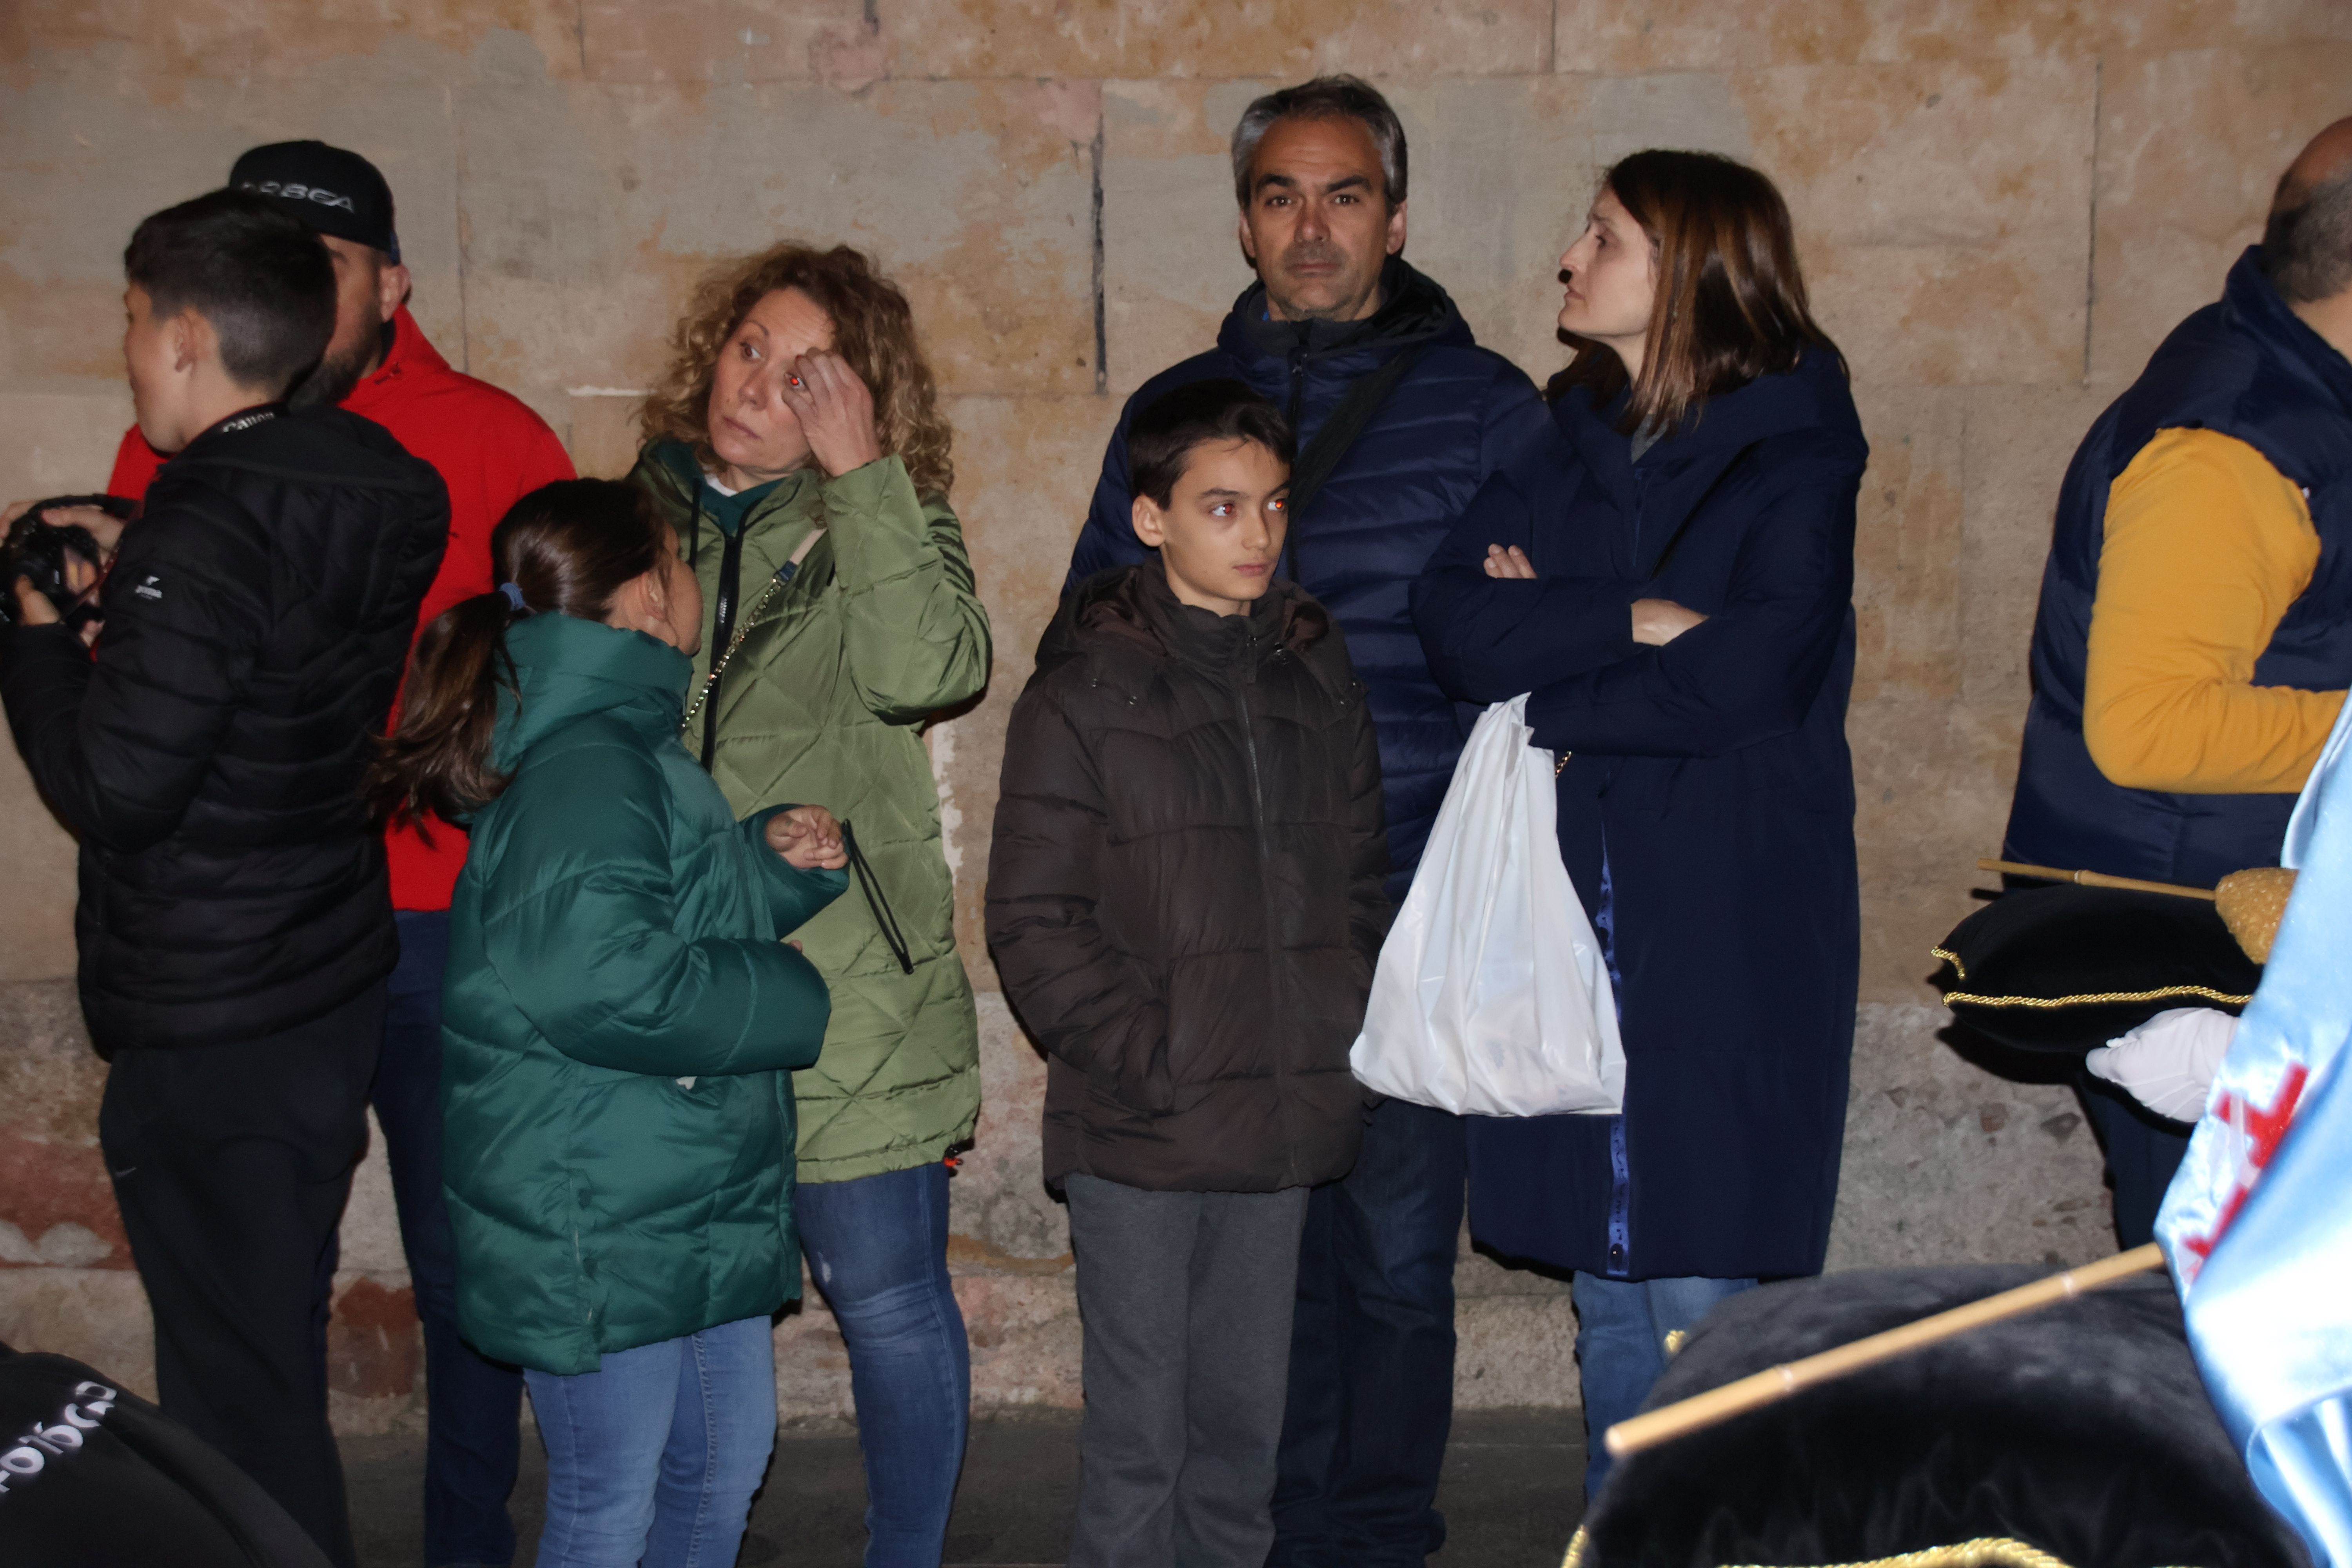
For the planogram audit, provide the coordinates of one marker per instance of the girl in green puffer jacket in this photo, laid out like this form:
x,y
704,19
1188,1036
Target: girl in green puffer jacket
x,y
619,1026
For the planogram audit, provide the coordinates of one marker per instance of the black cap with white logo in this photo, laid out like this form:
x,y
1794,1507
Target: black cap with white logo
x,y
334,192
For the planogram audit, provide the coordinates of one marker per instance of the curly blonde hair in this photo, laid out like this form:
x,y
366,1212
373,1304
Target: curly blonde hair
x,y
873,329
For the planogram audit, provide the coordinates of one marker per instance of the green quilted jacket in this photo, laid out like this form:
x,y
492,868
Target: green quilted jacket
x,y
823,701
618,1023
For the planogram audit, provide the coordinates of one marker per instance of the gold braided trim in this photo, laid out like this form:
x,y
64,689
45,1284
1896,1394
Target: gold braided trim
x,y
2087,999
2095,997
1985,1551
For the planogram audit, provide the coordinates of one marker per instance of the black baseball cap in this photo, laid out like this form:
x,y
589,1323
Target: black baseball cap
x,y
332,191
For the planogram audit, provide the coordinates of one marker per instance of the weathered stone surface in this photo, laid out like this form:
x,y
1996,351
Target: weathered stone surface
x,y
57,1203
1143,38
1724,35
1942,211
95,1315
168,44
1947,1163
2190,146
1907,538
591,210
715,40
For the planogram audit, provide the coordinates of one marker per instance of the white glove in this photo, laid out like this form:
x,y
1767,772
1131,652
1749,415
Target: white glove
x,y
2168,1063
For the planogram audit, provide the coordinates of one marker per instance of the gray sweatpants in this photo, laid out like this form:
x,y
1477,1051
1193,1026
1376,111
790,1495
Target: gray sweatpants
x,y
1186,1301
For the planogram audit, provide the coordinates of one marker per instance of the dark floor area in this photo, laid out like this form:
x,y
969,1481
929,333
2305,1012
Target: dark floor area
x,y
1511,1494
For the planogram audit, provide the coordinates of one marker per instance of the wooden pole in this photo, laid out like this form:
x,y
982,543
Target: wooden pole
x,y
1763,1388
2094,879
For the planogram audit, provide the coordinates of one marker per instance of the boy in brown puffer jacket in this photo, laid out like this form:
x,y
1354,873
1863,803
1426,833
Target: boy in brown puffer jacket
x,y
1184,902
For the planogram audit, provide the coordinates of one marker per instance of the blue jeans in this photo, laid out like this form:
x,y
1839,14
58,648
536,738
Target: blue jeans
x,y
878,1248
473,1406
1621,1347
653,1457
1372,1351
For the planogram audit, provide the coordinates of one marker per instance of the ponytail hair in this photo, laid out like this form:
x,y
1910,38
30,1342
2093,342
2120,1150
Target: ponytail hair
x,y
567,549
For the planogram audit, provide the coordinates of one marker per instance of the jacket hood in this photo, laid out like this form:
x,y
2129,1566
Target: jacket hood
x,y
1812,396
318,446
1413,310
1132,609
567,669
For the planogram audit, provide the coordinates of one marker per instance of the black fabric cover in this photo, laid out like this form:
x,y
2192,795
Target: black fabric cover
x,y
209,757
132,1488
2093,944
2082,1430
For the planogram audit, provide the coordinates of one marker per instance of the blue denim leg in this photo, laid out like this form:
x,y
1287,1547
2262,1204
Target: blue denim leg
x,y
473,1406
1360,1462
878,1246
1621,1326
720,1435
653,1457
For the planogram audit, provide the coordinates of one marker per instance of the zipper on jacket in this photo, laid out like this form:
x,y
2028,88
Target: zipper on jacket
x,y
1266,894
875,901
730,575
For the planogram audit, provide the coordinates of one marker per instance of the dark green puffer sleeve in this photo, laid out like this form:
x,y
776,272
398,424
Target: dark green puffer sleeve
x,y
584,940
793,895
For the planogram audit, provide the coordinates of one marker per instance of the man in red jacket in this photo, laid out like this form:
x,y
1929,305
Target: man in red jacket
x,y
489,448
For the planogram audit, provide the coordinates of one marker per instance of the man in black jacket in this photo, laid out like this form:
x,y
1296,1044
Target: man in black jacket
x,y
234,925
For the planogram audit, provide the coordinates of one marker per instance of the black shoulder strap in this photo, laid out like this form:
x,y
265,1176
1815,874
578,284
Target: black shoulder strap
x,y
1320,457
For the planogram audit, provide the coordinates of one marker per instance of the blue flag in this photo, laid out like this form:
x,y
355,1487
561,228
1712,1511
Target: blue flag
x,y
2258,1225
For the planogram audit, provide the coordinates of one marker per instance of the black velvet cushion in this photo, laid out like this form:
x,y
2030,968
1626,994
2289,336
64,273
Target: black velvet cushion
x,y
2082,1431
2064,968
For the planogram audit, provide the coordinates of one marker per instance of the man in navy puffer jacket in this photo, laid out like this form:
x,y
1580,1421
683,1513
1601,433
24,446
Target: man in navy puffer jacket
x,y
1320,171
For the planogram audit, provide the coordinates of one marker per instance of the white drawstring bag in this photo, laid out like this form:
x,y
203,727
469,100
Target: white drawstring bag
x,y
1492,997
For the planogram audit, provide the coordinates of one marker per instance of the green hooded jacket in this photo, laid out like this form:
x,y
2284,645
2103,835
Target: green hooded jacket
x,y
823,701
619,1020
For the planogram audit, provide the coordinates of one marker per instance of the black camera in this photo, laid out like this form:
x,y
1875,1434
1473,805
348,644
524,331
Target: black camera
x,y
37,552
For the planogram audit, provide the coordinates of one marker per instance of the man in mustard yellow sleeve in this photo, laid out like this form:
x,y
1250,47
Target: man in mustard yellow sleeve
x,y
2194,640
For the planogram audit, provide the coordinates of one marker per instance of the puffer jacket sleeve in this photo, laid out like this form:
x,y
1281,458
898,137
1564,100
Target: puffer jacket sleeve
x,y
120,745
794,896
579,919
917,637
1085,1002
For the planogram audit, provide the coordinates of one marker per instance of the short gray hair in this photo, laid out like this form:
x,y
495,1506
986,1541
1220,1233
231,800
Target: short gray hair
x,y
1325,98
2307,246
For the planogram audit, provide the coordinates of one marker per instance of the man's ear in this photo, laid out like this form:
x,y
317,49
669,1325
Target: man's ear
x,y
1150,526
392,289
1249,242
1396,228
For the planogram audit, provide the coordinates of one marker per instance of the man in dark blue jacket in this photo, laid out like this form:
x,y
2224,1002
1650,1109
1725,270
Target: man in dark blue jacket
x,y
1400,417
2194,642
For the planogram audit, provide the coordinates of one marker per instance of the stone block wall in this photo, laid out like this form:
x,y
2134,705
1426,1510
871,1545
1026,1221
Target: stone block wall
x,y
2002,204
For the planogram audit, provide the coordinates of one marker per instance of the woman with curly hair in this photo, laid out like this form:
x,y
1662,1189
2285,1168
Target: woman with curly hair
x,y
796,446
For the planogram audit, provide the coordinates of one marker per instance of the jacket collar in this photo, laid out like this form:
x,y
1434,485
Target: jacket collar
x,y
412,358
675,464
568,668
1414,309
2256,304
1132,608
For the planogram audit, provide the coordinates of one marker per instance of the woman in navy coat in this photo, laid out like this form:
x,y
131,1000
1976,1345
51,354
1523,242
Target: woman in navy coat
x,y
1669,572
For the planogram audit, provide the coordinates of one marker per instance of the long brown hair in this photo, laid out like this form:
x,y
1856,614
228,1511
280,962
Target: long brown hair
x,y
873,329
568,548
1730,303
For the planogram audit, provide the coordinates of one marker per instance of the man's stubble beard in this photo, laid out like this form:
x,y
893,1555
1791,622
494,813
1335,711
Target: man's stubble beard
x,y
331,379
1338,310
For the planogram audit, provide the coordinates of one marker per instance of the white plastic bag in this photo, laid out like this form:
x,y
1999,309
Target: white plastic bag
x,y
1492,997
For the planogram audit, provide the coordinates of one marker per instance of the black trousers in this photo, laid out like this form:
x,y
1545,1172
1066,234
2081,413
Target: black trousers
x,y
231,1165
